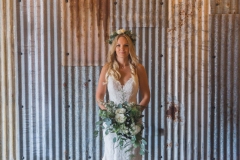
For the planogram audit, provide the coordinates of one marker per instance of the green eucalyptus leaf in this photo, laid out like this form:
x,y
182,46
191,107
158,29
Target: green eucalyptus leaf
x,y
142,152
114,139
144,142
106,132
95,133
99,122
120,105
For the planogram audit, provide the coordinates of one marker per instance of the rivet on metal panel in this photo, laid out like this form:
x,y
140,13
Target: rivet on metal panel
x,y
169,145
86,83
213,107
69,157
67,54
22,157
161,106
115,3
161,157
161,131
213,56
217,4
19,1
161,3
21,53
89,157
68,106
161,55
22,106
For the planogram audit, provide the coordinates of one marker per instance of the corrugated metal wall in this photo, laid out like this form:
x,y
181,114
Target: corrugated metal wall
x,y
224,87
187,80
39,81
225,7
8,128
189,49
85,29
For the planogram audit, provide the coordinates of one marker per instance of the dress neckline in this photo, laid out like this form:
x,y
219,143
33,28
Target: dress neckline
x,y
124,83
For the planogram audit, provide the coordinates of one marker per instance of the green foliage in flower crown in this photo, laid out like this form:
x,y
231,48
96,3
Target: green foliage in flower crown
x,y
122,31
124,120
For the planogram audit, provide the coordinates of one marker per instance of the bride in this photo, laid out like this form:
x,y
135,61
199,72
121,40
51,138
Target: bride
x,y
123,76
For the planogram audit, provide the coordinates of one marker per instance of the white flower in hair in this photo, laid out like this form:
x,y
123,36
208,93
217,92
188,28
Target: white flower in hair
x,y
120,31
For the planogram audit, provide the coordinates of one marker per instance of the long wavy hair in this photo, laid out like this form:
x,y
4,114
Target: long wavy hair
x,y
113,66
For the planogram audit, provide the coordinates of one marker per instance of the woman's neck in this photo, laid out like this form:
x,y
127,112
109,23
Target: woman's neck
x,y
123,62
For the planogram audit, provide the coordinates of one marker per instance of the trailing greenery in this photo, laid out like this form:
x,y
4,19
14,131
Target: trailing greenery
x,y
124,120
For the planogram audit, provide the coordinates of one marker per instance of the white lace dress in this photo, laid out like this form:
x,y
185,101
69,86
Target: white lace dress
x,y
120,93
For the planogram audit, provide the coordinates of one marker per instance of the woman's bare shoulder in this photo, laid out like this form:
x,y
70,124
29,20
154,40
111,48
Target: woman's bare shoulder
x,y
105,67
140,68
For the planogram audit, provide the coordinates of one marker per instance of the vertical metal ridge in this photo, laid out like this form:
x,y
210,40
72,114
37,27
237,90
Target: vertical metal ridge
x,y
210,97
222,96
216,87
3,92
229,82
205,52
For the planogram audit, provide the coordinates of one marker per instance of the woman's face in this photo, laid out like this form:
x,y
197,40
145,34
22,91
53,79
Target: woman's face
x,y
122,48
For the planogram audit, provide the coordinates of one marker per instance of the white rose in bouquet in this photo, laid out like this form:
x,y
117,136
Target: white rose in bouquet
x,y
120,118
120,111
136,129
120,31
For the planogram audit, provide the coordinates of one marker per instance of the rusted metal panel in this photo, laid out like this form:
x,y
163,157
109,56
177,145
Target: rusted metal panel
x,y
136,13
8,148
225,6
85,31
225,49
186,79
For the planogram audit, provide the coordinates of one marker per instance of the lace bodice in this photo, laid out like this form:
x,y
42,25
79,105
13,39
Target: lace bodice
x,y
119,93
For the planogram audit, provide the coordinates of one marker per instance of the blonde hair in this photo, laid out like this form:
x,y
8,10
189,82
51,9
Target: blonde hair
x,y
113,66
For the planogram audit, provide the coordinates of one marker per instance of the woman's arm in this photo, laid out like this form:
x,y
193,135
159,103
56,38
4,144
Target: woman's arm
x,y
143,86
101,88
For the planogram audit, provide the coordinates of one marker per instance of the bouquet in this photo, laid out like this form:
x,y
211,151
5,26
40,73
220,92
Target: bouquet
x,y
125,120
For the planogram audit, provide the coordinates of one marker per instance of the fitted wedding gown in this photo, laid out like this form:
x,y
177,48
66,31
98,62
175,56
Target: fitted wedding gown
x,y
119,93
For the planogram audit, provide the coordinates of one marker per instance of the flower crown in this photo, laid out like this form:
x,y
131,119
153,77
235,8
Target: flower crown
x,y
122,31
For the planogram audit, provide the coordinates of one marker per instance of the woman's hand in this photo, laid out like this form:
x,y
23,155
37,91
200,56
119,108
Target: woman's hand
x,y
100,104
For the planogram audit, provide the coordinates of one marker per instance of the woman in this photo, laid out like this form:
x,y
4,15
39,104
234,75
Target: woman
x,y
123,77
